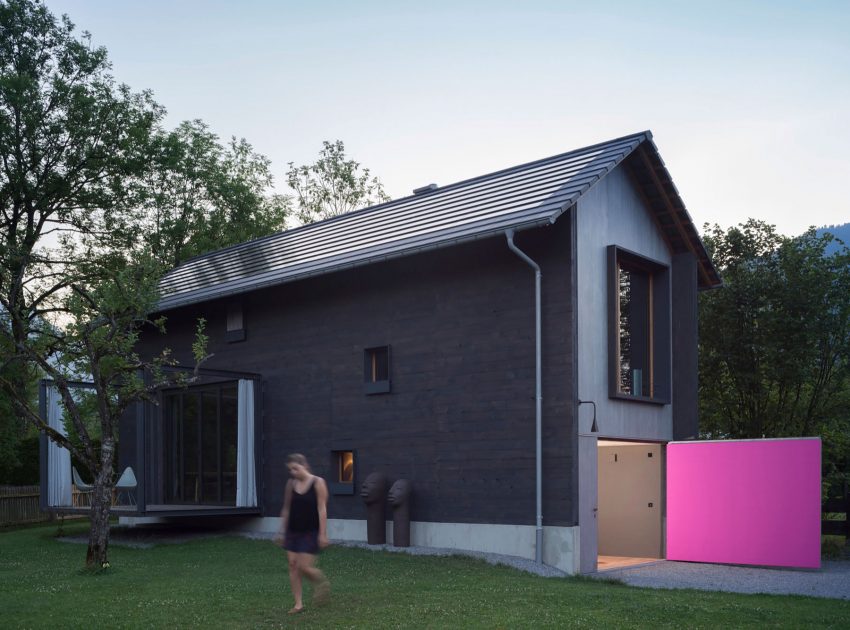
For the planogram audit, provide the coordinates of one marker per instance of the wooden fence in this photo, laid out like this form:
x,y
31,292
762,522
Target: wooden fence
x,y
19,504
838,505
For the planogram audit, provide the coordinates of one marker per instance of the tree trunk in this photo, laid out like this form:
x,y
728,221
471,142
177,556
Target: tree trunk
x,y
18,375
101,501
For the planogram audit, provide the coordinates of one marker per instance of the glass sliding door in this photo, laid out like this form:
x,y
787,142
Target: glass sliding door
x,y
229,411
191,435
200,430
210,438
172,432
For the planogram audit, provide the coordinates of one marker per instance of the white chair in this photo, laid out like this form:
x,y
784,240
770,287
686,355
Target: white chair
x,y
83,489
126,484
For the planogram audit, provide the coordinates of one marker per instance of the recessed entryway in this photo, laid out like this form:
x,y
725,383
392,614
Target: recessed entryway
x,y
605,563
630,503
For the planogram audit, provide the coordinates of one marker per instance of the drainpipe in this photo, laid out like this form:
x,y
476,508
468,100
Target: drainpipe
x,y
538,407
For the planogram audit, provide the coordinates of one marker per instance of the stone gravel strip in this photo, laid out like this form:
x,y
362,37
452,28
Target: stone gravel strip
x,y
831,580
515,562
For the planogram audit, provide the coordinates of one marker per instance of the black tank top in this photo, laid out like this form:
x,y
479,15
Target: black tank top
x,y
304,510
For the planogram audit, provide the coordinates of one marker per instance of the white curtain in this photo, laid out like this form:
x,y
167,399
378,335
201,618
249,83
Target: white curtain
x,y
58,457
246,481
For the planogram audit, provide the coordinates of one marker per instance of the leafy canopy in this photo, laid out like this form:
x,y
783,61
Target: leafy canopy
x,y
97,200
775,340
332,185
202,195
76,280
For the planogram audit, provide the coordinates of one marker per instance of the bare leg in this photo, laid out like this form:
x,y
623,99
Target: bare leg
x,y
306,563
295,580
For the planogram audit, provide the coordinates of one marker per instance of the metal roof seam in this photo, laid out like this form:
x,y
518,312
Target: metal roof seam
x,y
570,155
332,223
528,195
220,291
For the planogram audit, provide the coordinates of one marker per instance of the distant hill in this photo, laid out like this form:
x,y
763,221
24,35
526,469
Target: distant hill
x,y
840,231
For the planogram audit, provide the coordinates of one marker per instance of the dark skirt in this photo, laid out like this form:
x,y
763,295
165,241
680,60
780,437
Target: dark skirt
x,y
302,542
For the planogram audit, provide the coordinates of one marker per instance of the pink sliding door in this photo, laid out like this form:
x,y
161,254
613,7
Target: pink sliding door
x,y
745,502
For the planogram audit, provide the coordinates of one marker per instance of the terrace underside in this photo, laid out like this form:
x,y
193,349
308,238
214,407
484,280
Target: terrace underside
x,y
164,510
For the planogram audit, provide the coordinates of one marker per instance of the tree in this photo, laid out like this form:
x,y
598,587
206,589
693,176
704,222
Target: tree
x,y
332,185
201,196
775,339
51,176
13,432
74,284
107,301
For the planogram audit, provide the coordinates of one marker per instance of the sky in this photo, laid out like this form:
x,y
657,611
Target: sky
x,y
748,102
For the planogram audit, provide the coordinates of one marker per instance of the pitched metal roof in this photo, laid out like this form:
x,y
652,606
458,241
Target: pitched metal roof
x,y
521,197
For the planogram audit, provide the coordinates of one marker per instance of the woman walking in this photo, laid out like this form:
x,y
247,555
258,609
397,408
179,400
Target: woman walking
x,y
303,531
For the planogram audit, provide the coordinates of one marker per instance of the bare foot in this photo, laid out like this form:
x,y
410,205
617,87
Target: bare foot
x,y
295,610
322,592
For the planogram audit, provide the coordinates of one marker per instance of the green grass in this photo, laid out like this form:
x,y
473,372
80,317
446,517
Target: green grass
x,y
834,548
237,583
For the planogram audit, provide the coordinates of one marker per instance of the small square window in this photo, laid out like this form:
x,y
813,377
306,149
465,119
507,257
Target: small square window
x,y
235,324
376,370
342,475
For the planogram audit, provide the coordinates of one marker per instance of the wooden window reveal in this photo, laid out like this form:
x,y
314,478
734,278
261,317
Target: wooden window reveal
x,y
639,324
235,324
344,466
343,472
376,370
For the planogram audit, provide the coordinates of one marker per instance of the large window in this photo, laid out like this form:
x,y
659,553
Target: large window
x,y
639,327
200,439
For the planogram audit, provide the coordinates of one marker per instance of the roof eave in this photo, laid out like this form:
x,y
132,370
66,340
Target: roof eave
x,y
671,205
224,291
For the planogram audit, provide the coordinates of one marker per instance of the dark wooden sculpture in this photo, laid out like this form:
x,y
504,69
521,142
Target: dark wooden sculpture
x,y
399,498
374,493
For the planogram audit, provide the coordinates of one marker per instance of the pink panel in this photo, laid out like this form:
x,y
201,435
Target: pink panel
x,y
745,502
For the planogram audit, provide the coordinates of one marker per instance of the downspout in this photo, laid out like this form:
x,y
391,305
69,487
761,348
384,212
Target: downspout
x,y
538,406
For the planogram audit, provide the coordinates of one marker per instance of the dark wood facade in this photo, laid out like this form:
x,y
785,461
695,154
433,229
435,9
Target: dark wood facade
x,y
685,331
459,420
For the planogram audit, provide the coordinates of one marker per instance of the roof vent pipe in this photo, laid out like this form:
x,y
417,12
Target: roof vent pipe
x,y
424,189
538,398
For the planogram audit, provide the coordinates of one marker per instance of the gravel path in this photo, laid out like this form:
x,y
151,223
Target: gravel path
x,y
493,558
832,580
516,562
148,537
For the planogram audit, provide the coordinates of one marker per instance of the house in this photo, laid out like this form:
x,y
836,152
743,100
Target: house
x,y
497,341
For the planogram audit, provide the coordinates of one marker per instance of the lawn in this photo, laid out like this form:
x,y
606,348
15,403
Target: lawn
x,y
232,582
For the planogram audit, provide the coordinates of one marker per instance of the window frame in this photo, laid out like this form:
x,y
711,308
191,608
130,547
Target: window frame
x,y
175,447
335,486
660,329
370,386
233,311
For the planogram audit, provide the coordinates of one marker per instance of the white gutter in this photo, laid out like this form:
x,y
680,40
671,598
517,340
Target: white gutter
x,y
538,408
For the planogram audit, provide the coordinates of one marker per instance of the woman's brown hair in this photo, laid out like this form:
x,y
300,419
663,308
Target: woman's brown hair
x,y
298,458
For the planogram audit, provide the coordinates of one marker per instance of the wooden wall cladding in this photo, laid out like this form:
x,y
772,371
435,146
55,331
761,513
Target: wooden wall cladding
x,y
459,421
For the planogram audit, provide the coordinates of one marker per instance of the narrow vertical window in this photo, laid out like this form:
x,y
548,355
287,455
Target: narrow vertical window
x,y
235,325
376,370
343,464
639,317
635,331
